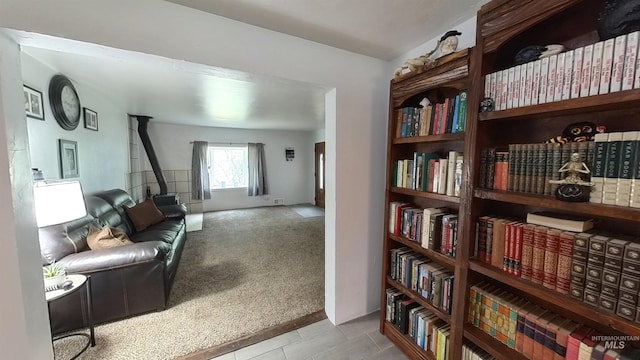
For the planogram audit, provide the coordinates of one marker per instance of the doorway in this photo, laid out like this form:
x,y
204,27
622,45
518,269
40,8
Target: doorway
x,y
319,174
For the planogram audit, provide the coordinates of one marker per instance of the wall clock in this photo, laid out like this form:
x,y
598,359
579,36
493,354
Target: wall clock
x,y
65,103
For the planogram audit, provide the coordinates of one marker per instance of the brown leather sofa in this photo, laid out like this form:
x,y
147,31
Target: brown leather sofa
x,y
125,281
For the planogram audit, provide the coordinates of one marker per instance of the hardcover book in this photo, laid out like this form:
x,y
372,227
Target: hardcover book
x,y
544,80
560,221
568,75
559,84
576,77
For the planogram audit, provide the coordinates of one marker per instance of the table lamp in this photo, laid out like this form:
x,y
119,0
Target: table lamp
x,y
58,201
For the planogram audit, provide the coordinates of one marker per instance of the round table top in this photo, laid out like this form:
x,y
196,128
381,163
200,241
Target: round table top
x,y
77,279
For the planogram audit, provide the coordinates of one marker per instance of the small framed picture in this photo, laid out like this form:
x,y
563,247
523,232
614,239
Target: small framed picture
x,y
68,158
33,106
90,119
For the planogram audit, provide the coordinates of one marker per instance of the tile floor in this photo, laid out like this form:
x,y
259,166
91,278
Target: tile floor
x,y
357,339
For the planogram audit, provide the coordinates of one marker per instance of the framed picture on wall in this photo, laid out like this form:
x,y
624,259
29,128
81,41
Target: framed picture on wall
x,y
68,151
33,106
90,119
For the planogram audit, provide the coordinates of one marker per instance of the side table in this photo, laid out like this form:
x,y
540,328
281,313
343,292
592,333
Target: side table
x,y
78,282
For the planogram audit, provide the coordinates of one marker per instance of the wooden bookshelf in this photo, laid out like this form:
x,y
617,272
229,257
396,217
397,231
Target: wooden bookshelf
x,y
562,303
426,195
494,347
405,343
549,202
432,254
430,138
444,80
419,299
503,28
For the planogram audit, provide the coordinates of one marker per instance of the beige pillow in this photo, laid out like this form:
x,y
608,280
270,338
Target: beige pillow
x,y
106,238
144,215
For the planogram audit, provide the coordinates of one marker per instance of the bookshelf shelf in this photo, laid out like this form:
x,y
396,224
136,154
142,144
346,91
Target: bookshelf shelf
x,y
406,343
494,347
426,195
607,102
432,254
589,314
429,138
598,210
419,299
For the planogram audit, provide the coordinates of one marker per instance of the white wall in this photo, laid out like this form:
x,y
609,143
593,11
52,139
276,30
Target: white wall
x,y
286,179
24,324
94,147
466,40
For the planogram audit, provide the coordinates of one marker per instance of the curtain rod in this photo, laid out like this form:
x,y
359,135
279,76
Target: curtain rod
x,y
221,143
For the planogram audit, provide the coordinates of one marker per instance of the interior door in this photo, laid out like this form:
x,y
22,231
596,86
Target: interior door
x,y
319,174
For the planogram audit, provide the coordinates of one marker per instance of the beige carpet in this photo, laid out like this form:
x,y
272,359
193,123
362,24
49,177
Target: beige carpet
x,y
245,271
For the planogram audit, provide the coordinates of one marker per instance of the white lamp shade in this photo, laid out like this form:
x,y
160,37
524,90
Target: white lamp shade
x,y
58,202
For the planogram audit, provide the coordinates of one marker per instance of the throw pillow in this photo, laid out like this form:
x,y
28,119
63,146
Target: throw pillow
x,y
106,238
144,215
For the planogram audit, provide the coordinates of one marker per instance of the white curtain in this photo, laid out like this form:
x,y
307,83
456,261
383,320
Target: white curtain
x,y
200,188
257,170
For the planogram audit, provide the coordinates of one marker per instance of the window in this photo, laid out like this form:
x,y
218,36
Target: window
x,y
228,167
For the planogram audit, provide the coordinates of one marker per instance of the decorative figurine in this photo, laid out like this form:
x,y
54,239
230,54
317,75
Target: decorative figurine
x,y
578,132
486,105
535,52
447,44
573,188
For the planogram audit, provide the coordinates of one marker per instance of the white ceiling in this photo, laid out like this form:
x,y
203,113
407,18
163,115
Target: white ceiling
x,y
384,29
194,94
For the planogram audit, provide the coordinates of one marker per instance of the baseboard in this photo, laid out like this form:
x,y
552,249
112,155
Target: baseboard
x,y
255,338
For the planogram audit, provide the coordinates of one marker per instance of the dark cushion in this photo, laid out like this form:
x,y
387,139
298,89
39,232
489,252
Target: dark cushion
x,y
144,215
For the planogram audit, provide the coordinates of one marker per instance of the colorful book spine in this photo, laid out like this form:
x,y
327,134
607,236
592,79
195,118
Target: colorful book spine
x,y
550,266
565,255
537,261
527,251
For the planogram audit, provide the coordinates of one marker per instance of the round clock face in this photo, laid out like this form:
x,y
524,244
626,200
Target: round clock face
x,y
65,103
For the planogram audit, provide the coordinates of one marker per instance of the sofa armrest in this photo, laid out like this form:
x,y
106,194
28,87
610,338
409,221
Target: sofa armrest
x,y
173,212
105,259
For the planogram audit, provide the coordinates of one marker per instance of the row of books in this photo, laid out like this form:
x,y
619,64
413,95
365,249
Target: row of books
x,y
433,119
602,271
430,172
424,276
616,169
475,352
536,332
533,252
528,168
432,228
600,68
423,326
605,273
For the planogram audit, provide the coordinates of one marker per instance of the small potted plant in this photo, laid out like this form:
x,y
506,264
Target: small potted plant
x,y
54,274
